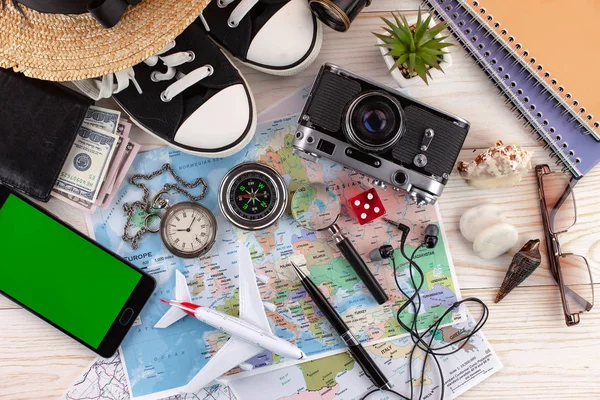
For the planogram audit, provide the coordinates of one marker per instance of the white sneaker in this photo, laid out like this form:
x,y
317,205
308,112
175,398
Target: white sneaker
x,y
279,37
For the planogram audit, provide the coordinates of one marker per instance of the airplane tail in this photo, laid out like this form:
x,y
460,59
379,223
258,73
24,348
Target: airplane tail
x,y
182,293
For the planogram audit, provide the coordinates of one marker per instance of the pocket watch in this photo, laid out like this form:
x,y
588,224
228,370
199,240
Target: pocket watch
x,y
188,229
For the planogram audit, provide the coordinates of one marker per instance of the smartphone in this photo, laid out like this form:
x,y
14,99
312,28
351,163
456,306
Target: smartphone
x,y
67,279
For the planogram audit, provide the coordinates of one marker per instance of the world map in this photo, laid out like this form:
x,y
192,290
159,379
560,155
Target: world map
x,y
338,377
333,378
105,380
159,362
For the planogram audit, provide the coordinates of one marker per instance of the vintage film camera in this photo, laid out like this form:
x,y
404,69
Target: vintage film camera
x,y
380,132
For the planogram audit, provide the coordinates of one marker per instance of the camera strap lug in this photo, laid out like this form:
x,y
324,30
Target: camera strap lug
x,y
427,138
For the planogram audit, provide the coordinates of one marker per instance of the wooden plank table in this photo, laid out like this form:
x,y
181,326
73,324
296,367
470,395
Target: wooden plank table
x,y
543,358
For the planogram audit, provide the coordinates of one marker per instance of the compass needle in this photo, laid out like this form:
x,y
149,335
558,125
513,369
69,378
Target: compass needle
x,y
252,196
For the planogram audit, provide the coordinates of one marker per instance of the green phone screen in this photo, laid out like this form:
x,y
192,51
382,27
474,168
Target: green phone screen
x,y
60,275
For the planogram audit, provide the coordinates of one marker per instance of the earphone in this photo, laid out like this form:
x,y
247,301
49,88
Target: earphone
x,y
386,251
431,236
381,253
424,338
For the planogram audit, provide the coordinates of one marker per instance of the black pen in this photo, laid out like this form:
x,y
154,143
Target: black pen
x,y
357,351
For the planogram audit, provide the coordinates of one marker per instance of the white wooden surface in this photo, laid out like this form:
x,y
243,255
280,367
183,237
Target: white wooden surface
x,y
543,358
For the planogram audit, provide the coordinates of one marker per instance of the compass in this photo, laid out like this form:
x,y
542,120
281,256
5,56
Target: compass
x,y
252,196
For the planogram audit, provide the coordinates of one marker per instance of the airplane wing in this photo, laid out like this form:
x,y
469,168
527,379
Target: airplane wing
x,y
182,293
236,351
231,355
251,305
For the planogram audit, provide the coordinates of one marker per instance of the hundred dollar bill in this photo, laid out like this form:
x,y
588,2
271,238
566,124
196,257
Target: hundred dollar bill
x,y
103,119
74,201
87,163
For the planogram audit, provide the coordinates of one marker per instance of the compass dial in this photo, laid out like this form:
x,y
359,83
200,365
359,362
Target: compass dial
x,y
252,196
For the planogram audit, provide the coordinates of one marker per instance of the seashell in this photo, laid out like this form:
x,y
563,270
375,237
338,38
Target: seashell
x,y
523,264
499,166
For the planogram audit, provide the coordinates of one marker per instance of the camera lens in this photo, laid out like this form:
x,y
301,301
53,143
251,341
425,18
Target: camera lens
x,y
331,16
337,14
374,121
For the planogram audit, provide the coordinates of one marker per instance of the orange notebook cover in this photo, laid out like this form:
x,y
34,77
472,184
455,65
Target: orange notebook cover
x,y
560,39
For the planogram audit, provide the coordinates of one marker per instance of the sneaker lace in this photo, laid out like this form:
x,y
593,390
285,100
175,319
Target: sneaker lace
x,y
106,87
238,13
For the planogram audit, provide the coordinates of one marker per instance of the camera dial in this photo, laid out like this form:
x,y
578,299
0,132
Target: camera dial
x,y
374,121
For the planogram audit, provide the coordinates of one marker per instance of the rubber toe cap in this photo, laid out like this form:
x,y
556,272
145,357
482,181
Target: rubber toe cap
x,y
286,39
219,123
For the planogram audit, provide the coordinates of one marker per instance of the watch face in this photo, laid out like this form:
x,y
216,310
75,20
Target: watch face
x,y
253,195
188,229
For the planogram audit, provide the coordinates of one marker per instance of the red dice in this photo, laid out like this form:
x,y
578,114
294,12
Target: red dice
x,y
367,206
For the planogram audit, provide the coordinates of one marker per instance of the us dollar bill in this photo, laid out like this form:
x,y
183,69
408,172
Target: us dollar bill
x,y
74,201
102,119
87,163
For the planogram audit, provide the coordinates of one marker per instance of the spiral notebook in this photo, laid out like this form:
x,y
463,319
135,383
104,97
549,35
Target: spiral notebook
x,y
541,55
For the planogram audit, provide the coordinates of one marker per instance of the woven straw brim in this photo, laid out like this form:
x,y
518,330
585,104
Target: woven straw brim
x,y
60,47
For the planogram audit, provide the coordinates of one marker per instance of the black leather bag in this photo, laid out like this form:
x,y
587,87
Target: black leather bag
x,y
38,124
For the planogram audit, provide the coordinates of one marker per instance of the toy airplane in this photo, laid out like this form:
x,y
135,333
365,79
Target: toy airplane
x,y
250,334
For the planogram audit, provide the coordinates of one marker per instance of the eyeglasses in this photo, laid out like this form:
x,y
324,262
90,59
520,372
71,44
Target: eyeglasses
x,y
571,271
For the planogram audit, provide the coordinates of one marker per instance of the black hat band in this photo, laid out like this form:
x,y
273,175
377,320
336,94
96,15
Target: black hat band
x,y
107,12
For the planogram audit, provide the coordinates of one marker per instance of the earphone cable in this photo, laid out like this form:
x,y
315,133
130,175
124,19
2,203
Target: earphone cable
x,y
417,338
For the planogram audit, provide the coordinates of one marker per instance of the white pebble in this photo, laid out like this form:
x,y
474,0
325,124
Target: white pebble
x,y
476,219
270,306
495,240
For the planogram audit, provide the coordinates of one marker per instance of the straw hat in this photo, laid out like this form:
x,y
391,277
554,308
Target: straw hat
x,y
66,47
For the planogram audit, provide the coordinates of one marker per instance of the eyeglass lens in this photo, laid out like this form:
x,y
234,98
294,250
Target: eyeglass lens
x,y
577,281
560,203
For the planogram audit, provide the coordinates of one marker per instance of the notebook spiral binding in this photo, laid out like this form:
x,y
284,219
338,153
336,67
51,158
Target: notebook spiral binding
x,y
567,131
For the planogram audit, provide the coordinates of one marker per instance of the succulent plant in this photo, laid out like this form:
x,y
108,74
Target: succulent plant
x,y
414,48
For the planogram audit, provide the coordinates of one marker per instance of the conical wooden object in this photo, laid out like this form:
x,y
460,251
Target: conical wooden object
x,y
523,264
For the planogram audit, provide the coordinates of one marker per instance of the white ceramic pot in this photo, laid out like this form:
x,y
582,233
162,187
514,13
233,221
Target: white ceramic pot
x,y
397,75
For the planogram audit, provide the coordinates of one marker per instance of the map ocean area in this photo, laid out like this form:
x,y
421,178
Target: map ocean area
x,y
158,362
